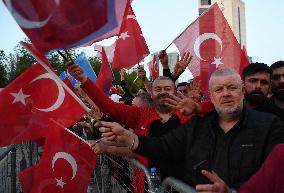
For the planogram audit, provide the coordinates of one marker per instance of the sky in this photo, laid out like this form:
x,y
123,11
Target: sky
x,y
162,20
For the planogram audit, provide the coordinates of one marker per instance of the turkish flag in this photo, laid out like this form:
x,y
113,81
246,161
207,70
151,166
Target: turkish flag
x,y
244,61
34,101
66,164
26,178
153,68
57,24
131,47
212,43
109,50
104,80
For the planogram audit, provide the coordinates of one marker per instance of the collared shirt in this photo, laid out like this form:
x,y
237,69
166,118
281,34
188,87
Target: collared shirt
x,y
220,158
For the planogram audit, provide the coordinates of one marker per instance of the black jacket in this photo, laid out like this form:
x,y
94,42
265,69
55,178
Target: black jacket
x,y
195,141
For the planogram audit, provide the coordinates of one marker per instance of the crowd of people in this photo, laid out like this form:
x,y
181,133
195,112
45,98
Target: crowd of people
x,y
228,143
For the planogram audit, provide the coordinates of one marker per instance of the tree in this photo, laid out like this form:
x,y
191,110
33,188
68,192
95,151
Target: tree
x,y
3,70
18,62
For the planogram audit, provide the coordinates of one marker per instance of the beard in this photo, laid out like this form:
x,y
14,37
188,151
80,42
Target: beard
x,y
256,97
230,112
277,93
160,104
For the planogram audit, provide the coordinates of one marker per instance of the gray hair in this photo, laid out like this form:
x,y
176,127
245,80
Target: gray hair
x,y
145,97
226,71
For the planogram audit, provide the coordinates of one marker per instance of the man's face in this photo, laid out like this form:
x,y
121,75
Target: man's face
x,y
183,90
257,87
277,83
227,95
160,91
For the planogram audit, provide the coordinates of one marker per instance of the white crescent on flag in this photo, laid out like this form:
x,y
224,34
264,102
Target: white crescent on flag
x,y
69,158
61,92
203,37
26,23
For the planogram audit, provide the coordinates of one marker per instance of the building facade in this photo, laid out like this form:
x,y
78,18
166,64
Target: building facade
x,y
234,11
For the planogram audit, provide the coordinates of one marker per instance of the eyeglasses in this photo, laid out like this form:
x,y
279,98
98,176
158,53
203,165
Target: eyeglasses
x,y
277,76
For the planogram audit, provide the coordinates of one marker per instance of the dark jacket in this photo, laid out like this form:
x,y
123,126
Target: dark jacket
x,y
195,141
270,177
269,107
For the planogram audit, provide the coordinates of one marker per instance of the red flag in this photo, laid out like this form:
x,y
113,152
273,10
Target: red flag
x,y
68,82
54,24
212,43
66,165
131,46
26,178
153,68
108,49
104,80
33,102
244,60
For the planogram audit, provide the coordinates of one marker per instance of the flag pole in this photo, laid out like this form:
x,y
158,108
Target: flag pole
x,y
69,56
62,55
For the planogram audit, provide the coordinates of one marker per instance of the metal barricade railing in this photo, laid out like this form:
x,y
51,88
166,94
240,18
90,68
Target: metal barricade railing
x,y
170,185
120,175
8,174
14,159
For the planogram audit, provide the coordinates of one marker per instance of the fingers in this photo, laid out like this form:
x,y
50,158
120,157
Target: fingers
x,y
105,129
171,103
177,59
205,188
180,95
212,177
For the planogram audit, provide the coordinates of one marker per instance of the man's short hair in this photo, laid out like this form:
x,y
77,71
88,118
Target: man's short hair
x,y
183,84
163,78
256,67
225,72
277,64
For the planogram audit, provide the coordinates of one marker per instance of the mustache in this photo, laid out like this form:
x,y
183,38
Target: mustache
x,y
256,92
163,95
280,86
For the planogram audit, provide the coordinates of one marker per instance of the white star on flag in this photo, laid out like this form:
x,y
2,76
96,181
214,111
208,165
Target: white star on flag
x,y
124,35
217,61
131,17
20,97
60,182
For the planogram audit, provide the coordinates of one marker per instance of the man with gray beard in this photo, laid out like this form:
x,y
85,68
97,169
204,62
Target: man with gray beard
x,y
226,146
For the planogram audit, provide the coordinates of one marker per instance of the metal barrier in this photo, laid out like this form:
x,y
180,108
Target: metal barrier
x,y
14,159
111,175
171,184
120,175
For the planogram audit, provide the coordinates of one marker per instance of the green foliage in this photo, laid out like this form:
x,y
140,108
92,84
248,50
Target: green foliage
x,y
96,64
16,63
3,70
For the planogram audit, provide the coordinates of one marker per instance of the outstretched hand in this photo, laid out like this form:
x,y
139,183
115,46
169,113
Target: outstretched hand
x,y
218,186
163,57
181,64
182,103
76,71
112,131
141,73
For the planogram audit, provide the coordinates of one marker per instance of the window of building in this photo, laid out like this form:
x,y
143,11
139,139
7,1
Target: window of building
x,y
205,2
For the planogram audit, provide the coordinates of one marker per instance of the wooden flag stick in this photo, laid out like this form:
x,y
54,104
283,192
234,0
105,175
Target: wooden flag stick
x,y
69,56
62,55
